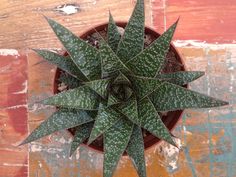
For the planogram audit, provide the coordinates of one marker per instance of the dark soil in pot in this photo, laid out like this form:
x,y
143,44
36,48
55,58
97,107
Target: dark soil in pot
x,y
173,63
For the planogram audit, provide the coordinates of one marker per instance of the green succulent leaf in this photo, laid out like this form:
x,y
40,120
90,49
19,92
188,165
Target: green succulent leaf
x,y
129,108
106,118
181,77
121,78
116,140
110,63
112,100
144,86
81,134
62,119
149,62
150,120
99,86
62,62
69,80
83,54
79,98
132,41
170,97
113,34
135,150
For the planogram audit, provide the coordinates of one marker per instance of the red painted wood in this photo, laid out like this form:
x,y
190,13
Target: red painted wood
x,y
13,113
206,20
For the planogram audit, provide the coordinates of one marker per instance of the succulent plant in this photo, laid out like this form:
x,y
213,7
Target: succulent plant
x,y
117,90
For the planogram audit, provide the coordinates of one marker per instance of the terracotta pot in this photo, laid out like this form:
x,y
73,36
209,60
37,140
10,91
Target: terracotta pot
x,y
170,120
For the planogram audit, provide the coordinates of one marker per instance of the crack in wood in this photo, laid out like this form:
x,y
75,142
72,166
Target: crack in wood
x,y
5,15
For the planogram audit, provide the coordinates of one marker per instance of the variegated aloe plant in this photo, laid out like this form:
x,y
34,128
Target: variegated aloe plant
x,y
120,82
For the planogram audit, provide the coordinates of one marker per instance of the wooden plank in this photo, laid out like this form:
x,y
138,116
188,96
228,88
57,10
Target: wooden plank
x,y
23,25
207,136
13,113
206,20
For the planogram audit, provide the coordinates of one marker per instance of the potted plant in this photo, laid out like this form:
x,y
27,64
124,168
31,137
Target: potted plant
x,y
120,92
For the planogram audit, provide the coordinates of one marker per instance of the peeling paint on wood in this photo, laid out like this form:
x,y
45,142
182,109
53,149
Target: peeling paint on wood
x,y
207,136
208,20
13,113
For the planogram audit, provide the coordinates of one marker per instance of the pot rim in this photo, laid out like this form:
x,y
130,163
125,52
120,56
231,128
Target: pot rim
x,y
172,124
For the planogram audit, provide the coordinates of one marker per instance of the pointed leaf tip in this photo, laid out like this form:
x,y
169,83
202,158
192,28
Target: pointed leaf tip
x,y
79,98
63,62
99,86
81,134
150,61
132,41
170,97
62,119
149,119
106,118
84,55
113,34
180,77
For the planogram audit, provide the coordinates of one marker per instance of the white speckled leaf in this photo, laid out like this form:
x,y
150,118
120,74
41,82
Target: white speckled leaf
x,y
181,77
62,62
79,98
99,86
116,140
110,62
135,150
105,119
69,80
169,97
112,100
129,108
62,119
81,134
113,34
83,54
150,120
144,86
149,62
121,78
132,41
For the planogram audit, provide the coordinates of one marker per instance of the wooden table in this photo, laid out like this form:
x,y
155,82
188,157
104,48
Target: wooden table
x,y
205,37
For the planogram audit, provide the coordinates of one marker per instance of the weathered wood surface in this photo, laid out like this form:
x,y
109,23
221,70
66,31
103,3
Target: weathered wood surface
x,y
208,136
23,25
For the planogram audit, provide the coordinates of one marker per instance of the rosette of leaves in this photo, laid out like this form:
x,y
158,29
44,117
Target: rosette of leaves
x,y
117,90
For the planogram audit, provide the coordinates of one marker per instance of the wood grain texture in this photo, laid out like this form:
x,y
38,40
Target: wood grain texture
x,y
13,113
207,135
206,20
23,25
